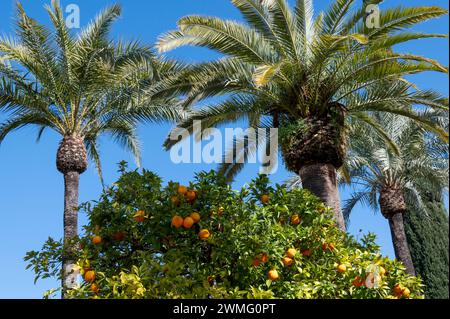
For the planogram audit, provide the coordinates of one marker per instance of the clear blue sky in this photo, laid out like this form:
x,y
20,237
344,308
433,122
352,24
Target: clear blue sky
x,y
31,189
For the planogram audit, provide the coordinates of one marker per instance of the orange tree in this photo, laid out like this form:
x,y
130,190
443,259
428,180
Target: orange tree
x,y
207,240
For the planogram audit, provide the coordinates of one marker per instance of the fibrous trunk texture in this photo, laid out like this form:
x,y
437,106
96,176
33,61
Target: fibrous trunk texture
x,y
318,139
71,160
315,147
320,179
72,155
71,184
393,206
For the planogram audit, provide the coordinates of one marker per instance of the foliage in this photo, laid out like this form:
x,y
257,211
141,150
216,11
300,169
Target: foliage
x,y
141,255
82,84
285,63
427,236
420,166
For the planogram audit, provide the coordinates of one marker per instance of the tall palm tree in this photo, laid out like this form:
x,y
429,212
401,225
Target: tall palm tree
x,y
396,183
81,86
308,76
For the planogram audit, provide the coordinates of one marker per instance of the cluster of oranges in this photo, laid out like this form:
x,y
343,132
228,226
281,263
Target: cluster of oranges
x,y
260,259
190,195
89,277
400,291
189,221
288,259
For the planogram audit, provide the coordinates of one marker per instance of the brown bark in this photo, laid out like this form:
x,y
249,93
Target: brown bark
x,y
71,184
401,248
393,206
320,179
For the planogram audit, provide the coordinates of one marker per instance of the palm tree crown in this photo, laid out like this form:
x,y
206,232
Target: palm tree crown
x,y
307,75
79,86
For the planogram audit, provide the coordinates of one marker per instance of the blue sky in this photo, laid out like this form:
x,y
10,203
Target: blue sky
x,y
31,189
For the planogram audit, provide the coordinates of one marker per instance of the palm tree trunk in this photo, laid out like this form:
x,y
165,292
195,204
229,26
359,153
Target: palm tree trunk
x,y
320,179
400,242
71,183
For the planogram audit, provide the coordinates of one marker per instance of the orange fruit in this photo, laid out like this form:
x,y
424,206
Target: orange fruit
x,y
175,200
94,288
295,219
182,190
139,216
264,258
273,275
331,246
177,221
265,199
89,276
195,216
358,281
324,246
287,261
406,293
291,252
220,211
341,268
119,236
256,262
204,234
96,240
188,222
398,290
191,195
306,252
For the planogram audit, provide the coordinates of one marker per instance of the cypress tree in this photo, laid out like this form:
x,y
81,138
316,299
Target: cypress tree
x,y
428,240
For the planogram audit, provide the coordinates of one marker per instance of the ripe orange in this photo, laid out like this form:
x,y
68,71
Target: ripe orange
x,y
324,246
204,234
195,216
295,219
177,221
406,293
182,190
341,268
89,276
398,290
358,281
256,262
291,252
96,240
306,252
139,216
265,199
287,261
175,200
220,211
264,258
191,195
188,222
118,236
273,275
94,288
331,246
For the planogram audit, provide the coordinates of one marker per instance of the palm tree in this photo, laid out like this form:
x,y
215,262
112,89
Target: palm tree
x,y
81,87
306,76
397,183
